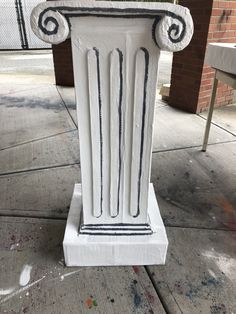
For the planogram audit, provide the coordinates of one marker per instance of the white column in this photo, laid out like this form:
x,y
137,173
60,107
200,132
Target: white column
x,y
116,48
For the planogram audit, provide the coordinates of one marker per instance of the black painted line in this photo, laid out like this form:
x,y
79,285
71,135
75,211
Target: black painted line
x,y
95,11
120,227
154,25
134,11
116,224
115,234
117,229
100,126
146,56
123,16
120,125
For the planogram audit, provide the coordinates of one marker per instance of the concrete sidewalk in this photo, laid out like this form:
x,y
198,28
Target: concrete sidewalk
x,y
39,164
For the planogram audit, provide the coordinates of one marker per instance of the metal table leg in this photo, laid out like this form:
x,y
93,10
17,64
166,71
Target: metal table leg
x,y
210,113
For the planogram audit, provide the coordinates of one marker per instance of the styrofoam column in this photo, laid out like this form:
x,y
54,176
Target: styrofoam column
x,y
116,48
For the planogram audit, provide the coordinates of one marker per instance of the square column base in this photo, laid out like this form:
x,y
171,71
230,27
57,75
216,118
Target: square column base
x,y
91,250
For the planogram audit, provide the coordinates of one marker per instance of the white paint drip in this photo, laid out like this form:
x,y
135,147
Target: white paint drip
x,y
6,291
25,275
21,290
61,262
212,273
27,269
72,272
62,277
14,246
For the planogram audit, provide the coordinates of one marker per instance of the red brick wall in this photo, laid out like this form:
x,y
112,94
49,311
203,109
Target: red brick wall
x,y
191,81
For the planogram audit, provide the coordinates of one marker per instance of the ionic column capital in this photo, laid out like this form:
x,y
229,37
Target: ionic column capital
x,y
172,27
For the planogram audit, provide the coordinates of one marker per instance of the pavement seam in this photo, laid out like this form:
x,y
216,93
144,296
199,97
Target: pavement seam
x,y
217,125
18,215
78,163
34,217
19,91
68,111
38,169
189,147
37,139
155,286
200,228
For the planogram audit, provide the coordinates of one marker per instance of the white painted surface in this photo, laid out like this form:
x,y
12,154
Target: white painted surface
x,y
96,126
137,129
84,250
94,115
115,124
222,56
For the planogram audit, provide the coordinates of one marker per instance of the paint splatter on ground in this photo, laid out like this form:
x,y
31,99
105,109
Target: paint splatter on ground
x,y
227,206
179,287
25,310
218,309
136,269
19,291
150,297
230,213
137,298
207,285
90,303
25,275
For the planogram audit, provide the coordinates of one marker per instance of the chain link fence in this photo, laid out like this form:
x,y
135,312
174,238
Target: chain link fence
x,y
15,30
